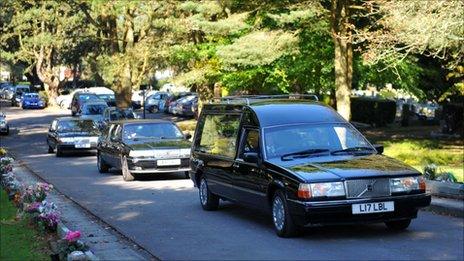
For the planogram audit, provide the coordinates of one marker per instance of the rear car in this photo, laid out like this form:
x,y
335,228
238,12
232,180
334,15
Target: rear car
x,y
143,147
32,101
70,134
93,110
116,114
302,162
78,100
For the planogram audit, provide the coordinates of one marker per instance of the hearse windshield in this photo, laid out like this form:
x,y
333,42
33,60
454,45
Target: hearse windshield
x,y
142,131
77,126
305,140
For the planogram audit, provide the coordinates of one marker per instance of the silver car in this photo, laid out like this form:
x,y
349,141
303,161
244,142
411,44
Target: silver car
x,y
4,127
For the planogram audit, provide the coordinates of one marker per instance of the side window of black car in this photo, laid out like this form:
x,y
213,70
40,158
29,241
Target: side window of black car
x,y
219,134
250,142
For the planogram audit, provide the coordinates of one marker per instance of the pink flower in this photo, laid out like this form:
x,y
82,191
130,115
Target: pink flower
x,y
72,236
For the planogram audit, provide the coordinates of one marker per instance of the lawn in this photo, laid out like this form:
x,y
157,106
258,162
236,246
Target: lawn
x,y
18,240
415,146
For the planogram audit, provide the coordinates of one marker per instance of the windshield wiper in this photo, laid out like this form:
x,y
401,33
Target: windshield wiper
x,y
303,153
352,149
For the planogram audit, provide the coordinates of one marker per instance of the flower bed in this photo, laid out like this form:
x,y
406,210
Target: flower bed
x,y
33,205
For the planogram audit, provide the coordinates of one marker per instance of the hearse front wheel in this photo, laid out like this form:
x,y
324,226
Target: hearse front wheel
x,y
208,200
398,224
126,175
281,218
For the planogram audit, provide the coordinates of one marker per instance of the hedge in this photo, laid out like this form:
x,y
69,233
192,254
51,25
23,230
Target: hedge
x,y
378,112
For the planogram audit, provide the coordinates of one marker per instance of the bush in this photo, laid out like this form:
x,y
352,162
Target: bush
x,y
373,111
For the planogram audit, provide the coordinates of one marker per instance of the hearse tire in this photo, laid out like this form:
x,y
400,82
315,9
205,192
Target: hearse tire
x,y
208,200
281,218
126,174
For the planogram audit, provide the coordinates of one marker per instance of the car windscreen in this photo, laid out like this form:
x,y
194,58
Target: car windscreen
x,y
162,130
121,114
282,140
76,126
88,97
106,97
93,109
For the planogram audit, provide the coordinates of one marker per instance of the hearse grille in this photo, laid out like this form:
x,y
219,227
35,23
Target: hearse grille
x,y
367,188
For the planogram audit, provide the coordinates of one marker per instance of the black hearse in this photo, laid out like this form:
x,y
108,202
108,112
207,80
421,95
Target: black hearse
x,y
302,161
143,147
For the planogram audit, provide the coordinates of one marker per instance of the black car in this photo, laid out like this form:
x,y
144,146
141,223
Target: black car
x,y
67,134
115,114
78,100
301,161
143,147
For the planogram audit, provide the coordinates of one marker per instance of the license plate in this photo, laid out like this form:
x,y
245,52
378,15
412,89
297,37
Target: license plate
x,y
168,162
374,207
82,144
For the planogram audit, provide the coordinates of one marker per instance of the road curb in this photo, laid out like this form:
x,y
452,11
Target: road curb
x,y
446,206
63,228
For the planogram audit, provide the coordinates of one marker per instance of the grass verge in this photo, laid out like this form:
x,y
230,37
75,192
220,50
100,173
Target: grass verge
x,y
18,240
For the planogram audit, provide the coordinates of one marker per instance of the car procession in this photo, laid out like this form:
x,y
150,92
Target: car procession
x,y
291,157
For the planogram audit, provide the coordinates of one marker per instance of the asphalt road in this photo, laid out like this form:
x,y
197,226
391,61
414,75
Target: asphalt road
x,y
163,215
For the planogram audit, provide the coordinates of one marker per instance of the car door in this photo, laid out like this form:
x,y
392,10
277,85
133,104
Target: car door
x,y
52,137
216,151
249,178
114,146
104,143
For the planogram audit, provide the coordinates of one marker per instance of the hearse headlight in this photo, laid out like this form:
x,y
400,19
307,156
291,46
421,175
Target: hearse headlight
x,y
326,189
407,184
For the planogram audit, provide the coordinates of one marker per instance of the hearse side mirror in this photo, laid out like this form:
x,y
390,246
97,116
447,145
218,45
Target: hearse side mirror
x,y
378,148
187,135
250,157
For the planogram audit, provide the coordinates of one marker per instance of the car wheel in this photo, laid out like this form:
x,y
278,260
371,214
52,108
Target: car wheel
x,y
208,200
281,218
59,152
398,224
102,166
50,149
126,175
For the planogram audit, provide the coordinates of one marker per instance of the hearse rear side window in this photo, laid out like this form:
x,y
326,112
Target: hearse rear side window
x,y
219,134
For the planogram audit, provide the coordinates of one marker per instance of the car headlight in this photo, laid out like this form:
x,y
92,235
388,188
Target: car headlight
x,y
138,153
326,189
407,184
66,140
185,153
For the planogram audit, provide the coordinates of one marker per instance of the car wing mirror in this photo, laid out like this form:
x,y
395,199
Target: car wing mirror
x,y
187,135
378,148
251,157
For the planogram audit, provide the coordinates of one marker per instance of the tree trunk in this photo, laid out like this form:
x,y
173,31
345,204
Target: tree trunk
x,y
341,35
123,90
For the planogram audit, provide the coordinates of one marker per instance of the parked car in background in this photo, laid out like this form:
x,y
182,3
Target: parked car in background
x,y
65,99
93,110
153,102
79,99
184,105
70,134
110,99
5,89
143,147
18,91
32,101
171,100
302,162
115,114
4,126
137,97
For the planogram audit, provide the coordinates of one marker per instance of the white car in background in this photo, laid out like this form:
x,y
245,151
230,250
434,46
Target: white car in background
x,y
64,101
